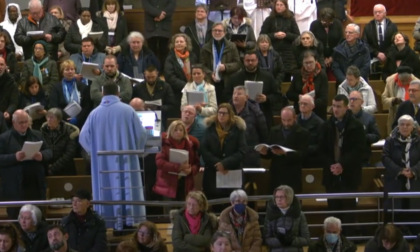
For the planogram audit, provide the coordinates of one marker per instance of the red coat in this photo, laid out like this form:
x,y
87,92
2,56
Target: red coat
x,y
166,183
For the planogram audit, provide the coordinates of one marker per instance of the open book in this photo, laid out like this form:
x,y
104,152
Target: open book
x,y
258,147
178,156
95,35
33,109
30,148
253,88
72,109
194,97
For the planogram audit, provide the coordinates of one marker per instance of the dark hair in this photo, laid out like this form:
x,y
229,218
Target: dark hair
x,y
126,246
199,65
83,10
151,68
238,11
156,239
406,39
353,70
327,14
109,2
29,82
88,39
55,226
309,53
390,233
287,13
110,88
250,52
341,97
6,38
11,230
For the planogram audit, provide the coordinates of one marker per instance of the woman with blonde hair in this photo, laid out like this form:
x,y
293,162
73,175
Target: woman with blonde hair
x,y
147,238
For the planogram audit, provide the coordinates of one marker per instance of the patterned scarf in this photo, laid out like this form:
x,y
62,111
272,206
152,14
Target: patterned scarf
x,y
194,222
402,87
184,61
221,133
238,222
406,156
308,78
37,68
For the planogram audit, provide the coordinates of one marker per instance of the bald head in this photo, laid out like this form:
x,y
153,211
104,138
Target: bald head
x,y
306,104
188,114
20,120
137,104
288,117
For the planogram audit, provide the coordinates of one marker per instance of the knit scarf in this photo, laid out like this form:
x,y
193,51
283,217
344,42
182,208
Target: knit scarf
x,y
238,223
184,61
84,29
308,78
181,145
111,19
221,133
70,90
406,156
349,89
403,87
37,68
194,222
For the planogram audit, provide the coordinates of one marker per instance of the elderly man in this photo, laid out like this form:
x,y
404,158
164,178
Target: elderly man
x,y
111,73
368,121
312,123
137,104
396,92
57,238
194,124
256,127
378,33
38,20
9,94
412,105
332,239
352,51
85,228
23,177
286,166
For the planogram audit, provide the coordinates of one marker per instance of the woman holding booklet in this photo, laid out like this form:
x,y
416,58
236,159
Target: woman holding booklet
x,y
177,163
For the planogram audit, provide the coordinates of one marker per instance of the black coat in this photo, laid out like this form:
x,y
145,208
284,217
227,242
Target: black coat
x,y
121,30
191,31
152,9
9,94
299,51
371,130
375,243
406,108
352,153
319,245
329,40
273,64
40,242
87,236
3,125
126,61
370,36
408,58
73,40
313,125
58,100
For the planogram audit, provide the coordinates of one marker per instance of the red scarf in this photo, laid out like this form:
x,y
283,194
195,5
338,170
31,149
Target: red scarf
x,y
399,84
3,53
308,78
194,222
186,60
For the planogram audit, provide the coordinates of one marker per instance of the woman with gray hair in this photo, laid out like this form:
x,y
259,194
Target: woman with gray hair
x,y
135,58
285,225
241,223
32,228
307,42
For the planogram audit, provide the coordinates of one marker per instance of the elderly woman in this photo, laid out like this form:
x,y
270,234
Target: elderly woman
x,y
68,91
401,158
354,81
147,238
10,240
312,80
400,54
282,29
82,29
58,12
223,148
241,222
33,229
268,59
174,180
388,238
240,24
61,138
307,42
193,225
220,242
134,60
285,224
199,84
332,239
41,66
220,59
178,66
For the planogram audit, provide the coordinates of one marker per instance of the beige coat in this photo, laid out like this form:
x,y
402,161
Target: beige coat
x,y
252,240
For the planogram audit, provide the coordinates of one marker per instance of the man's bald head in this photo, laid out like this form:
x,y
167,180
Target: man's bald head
x,y
20,120
137,104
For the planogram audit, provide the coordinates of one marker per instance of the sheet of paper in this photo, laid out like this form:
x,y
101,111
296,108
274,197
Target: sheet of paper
x,y
88,69
157,102
178,156
95,35
30,148
380,143
232,179
253,88
72,109
34,33
33,109
137,80
312,93
194,97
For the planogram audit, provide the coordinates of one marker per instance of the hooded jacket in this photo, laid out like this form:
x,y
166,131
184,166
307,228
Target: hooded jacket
x,y
11,27
369,102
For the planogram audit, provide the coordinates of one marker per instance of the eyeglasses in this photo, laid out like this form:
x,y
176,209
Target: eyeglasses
x,y
214,30
413,90
303,104
222,113
354,99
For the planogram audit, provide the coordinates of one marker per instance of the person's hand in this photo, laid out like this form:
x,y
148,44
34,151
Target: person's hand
x,y
261,98
263,150
78,77
48,37
240,44
222,67
59,54
6,115
336,169
185,168
278,151
407,173
328,61
37,156
215,80
41,112
220,168
381,56
396,101
108,50
201,169
96,71
162,15
280,35
20,155
198,107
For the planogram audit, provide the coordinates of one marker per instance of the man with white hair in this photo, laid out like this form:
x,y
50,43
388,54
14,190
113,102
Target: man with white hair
x,y
411,106
352,51
378,33
38,20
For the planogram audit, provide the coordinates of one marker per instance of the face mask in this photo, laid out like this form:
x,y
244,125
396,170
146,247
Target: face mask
x,y
331,238
239,208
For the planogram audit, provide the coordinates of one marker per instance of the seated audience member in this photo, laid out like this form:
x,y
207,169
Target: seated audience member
x,y
410,106
113,23
82,29
401,54
256,128
137,57
57,12
332,239
68,91
285,224
240,24
137,104
127,246
388,238
110,72
310,121
355,82
416,35
307,42
152,89
178,66
312,80
329,31
194,124
199,84
200,29
396,91
70,7
57,238
241,222
32,93
193,225
9,94
41,66
11,19
8,53
61,138
220,242
3,124
368,121
286,167
10,238
352,51
169,182
86,229
147,238
32,228
268,59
